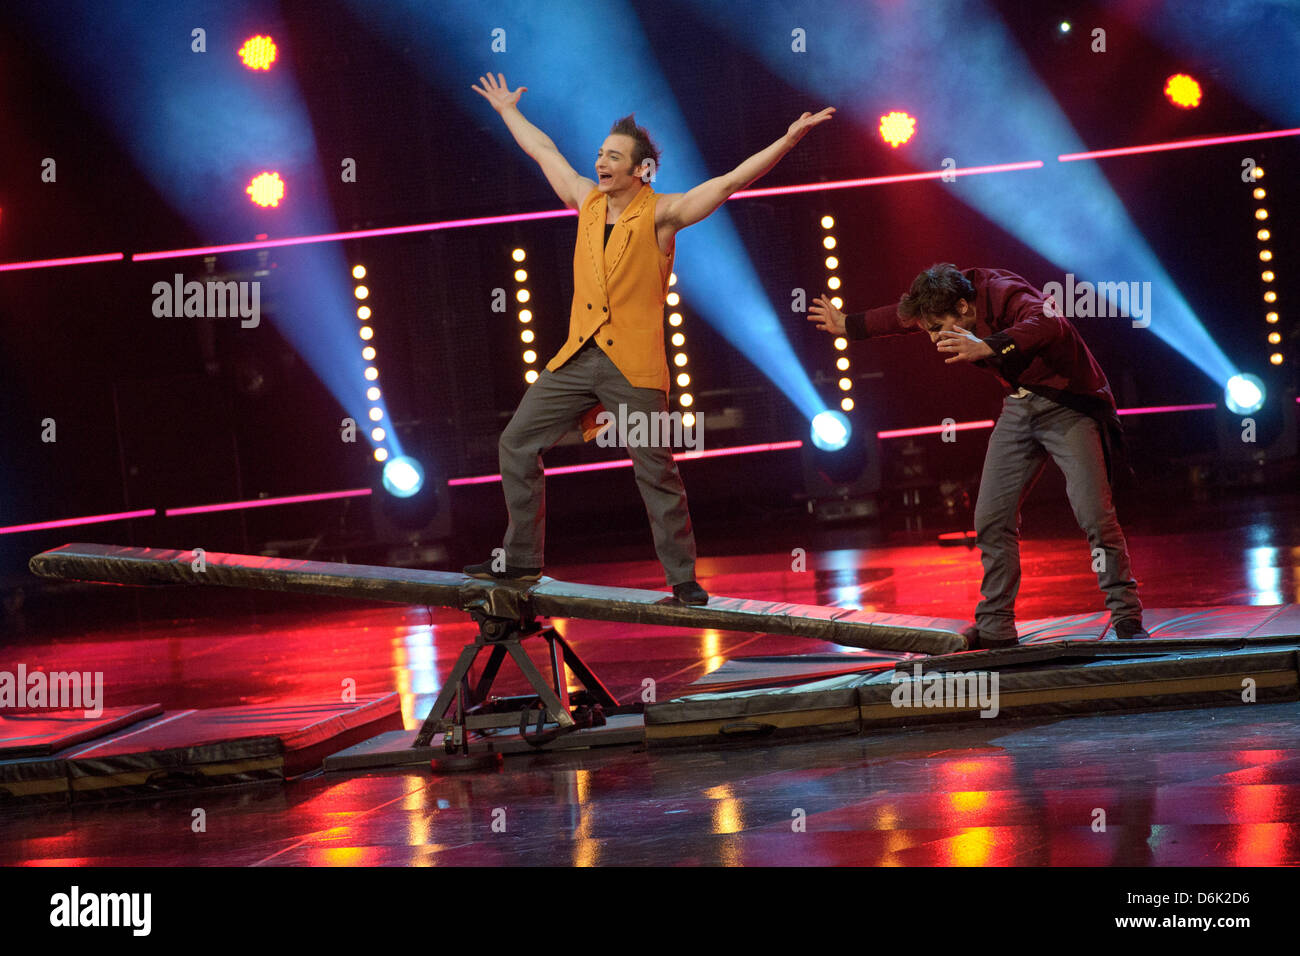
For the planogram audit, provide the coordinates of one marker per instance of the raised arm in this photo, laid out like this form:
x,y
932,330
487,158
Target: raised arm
x,y
564,179
676,211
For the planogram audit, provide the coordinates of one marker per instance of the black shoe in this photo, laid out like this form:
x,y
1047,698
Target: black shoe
x,y
690,592
975,641
511,573
1130,630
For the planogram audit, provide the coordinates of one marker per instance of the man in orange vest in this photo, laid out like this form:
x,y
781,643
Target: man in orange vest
x,y
614,354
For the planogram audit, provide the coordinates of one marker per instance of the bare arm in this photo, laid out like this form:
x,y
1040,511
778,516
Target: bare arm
x,y
678,210
564,179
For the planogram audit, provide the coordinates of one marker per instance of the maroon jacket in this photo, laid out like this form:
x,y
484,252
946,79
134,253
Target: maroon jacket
x,y
1033,347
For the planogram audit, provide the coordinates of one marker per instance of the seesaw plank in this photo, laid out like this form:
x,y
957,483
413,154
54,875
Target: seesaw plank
x,y
116,564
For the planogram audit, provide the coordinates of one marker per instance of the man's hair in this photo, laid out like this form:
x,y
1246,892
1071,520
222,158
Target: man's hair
x,y
935,291
644,148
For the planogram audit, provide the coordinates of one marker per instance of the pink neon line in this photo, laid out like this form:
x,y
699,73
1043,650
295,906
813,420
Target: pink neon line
x,y
881,180
70,261
627,462
988,423
934,429
71,522
266,502
1157,409
355,234
1178,144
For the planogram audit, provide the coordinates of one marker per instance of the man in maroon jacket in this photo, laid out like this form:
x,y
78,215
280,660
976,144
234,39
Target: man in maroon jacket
x,y
1060,406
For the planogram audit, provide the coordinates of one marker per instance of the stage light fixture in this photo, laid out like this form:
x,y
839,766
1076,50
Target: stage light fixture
x,y
841,342
517,255
675,319
679,359
1183,91
381,454
358,272
1244,394
685,399
683,379
828,222
1270,296
366,332
1275,338
368,353
829,242
363,313
896,128
846,404
832,262
266,189
1263,235
1271,318
830,430
378,434
372,393
842,363
1276,358
673,299
688,420
530,376
403,477
837,302
527,336
678,340
258,52
522,295
361,292
376,414
372,373
530,357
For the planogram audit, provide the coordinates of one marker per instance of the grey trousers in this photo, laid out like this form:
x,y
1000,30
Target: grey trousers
x,y
549,409
1027,432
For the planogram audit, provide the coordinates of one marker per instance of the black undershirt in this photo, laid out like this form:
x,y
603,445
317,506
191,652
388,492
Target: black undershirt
x,y
609,231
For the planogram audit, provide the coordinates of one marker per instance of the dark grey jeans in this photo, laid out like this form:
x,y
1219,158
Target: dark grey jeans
x,y
549,409
1028,431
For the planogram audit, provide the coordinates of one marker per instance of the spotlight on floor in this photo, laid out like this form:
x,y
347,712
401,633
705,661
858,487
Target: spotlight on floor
x,y
830,430
403,477
1244,394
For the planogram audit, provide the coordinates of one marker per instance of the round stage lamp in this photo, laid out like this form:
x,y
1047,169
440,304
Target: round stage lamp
x,y
1244,394
403,477
830,430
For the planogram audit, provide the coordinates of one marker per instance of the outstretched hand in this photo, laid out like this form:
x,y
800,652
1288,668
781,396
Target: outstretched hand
x,y
496,92
830,319
963,346
806,122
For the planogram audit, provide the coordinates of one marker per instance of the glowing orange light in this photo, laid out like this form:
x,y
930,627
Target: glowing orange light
x,y
1276,358
683,380
685,399
258,53
381,454
897,128
1183,91
530,376
267,189
846,404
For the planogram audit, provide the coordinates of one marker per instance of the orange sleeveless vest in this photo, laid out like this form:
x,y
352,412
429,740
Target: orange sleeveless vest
x,y
619,290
